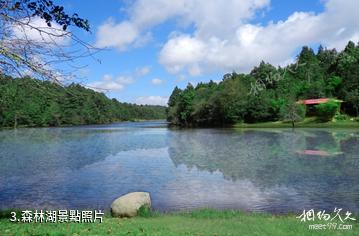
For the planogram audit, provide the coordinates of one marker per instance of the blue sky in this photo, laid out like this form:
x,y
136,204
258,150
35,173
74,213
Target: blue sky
x,y
153,46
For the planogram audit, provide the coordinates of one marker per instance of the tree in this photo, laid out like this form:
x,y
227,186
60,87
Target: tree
x,y
327,59
292,111
353,98
186,105
34,38
326,111
259,108
332,84
349,84
310,74
233,100
347,58
172,110
174,96
264,73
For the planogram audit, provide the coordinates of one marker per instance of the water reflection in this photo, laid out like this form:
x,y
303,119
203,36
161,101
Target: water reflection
x,y
262,170
271,160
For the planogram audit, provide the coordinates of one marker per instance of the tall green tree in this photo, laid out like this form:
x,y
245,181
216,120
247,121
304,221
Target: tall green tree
x,y
326,74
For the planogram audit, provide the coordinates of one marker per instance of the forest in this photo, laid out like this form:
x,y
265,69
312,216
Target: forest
x,y
271,93
32,102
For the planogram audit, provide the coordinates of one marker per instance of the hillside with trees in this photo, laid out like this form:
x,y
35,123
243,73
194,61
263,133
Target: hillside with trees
x,y
268,93
32,36
32,102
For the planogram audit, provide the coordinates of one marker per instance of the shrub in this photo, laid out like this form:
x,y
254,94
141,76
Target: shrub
x,y
339,116
144,211
326,111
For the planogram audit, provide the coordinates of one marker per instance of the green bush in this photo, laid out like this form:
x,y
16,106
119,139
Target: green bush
x,y
144,211
326,111
341,117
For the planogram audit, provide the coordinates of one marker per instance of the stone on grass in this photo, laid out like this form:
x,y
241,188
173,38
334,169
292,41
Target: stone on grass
x,y
128,204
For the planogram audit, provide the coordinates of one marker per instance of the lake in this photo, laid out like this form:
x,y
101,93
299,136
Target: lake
x,y
270,170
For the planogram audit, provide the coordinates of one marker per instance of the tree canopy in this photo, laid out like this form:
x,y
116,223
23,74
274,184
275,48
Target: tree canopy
x,y
31,102
267,93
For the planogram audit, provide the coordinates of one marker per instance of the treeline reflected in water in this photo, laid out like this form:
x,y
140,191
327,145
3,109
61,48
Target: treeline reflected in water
x,y
277,170
320,165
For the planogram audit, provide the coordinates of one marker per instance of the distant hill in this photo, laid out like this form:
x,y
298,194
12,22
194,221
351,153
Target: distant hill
x,y
32,102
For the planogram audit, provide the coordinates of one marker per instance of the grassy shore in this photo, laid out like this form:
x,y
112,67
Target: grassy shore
x,y
201,222
306,123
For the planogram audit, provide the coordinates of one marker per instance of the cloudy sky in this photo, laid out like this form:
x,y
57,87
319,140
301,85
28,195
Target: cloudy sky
x,y
154,45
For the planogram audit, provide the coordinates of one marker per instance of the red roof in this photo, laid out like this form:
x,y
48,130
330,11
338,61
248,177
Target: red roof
x,y
314,101
314,152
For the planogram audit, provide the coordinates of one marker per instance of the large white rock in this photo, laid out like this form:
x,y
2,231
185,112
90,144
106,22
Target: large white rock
x,y
128,205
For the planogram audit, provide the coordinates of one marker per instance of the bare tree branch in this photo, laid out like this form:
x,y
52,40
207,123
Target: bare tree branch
x,y
34,39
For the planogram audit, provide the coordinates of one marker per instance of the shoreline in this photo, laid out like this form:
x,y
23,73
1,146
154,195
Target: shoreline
x,y
79,125
307,123
304,124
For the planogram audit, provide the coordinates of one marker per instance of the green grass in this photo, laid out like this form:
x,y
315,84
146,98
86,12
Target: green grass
x,y
201,222
311,122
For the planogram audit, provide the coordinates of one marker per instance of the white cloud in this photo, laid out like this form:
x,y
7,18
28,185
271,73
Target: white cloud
x,y
143,40
157,81
37,31
181,77
224,39
208,16
109,83
115,35
125,80
152,100
275,42
182,51
142,71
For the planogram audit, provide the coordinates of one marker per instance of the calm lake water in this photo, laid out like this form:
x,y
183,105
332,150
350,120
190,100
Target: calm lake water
x,y
272,170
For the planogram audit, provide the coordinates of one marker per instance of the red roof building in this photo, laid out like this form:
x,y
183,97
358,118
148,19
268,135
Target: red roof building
x,y
316,101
